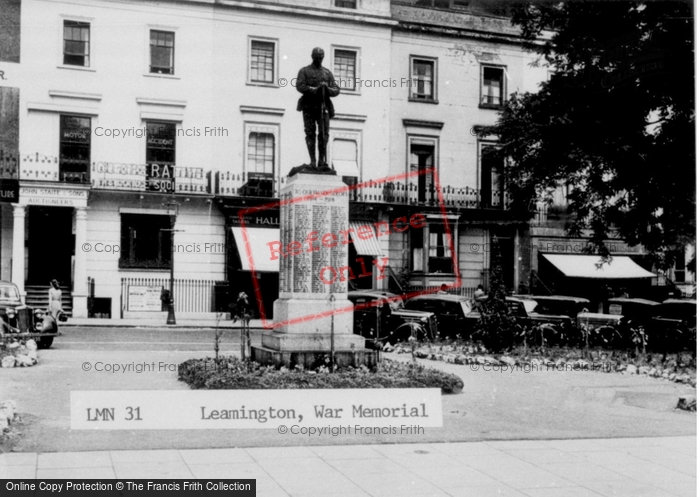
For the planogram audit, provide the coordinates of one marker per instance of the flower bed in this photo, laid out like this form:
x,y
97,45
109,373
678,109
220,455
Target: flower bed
x,y
681,367
18,354
232,373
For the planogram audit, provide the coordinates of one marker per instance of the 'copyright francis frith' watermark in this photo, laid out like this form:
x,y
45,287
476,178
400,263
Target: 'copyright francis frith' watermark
x,y
356,83
552,247
178,248
129,367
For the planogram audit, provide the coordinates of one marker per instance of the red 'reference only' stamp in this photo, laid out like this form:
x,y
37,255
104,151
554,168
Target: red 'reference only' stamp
x,y
331,279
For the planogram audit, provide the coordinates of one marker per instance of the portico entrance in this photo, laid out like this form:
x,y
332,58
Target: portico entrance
x,y
50,245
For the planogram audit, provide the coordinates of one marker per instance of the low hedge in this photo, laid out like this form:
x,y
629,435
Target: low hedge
x,y
232,373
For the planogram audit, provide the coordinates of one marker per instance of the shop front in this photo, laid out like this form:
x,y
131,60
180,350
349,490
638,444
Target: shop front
x,y
49,229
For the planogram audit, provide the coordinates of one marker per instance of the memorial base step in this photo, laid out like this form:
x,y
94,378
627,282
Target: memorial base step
x,y
283,342
310,359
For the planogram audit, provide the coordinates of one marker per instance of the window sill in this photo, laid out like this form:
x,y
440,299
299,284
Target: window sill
x,y
491,106
161,76
423,100
76,68
263,84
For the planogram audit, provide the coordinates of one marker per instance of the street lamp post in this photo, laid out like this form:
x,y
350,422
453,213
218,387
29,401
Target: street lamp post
x,y
171,300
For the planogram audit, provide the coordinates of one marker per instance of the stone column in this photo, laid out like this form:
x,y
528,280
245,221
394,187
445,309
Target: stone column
x,y
18,247
310,273
80,286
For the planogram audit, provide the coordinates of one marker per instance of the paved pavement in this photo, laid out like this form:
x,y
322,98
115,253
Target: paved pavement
x,y
182,322
620,467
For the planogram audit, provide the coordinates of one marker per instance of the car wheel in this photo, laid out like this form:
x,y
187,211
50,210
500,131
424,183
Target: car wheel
x,y
44,342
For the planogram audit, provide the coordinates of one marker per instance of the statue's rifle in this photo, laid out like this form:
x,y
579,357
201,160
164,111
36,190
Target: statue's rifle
x,y
322,124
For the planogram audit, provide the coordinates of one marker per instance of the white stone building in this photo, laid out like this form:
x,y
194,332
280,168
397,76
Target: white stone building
x,y
119,115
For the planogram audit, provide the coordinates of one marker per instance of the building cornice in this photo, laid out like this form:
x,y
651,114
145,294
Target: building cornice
x,y
423,28
75,95
419,123
302,10
251,109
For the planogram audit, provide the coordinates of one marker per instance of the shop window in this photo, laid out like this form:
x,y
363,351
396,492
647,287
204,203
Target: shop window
x,y
76,43
74,149
162,52
146,241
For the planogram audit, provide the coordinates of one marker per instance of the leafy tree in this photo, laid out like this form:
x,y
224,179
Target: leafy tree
x,y
496,328
615,121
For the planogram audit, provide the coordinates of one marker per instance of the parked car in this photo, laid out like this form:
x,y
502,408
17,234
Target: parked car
x,y
381,317
559,304
21,321
673,325
454,313
526,311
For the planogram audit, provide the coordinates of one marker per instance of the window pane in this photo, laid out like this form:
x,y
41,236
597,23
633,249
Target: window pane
x,y
440,253
145,241
261,152
76,43
492,90
492,177
262,54
74,149
162,52
344,69
346,4
422,79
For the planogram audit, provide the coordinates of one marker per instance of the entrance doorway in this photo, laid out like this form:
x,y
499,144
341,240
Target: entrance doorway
x,y
505,237
50,245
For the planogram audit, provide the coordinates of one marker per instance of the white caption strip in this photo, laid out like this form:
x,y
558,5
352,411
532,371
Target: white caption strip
x,y
246,409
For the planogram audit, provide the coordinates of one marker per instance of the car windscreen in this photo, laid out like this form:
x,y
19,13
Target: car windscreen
x,y
9,293
530,305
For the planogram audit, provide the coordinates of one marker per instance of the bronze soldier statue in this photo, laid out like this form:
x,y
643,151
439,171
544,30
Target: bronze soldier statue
x,y
317,86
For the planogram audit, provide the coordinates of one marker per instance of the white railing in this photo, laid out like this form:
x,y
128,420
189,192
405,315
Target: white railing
x,y
38,167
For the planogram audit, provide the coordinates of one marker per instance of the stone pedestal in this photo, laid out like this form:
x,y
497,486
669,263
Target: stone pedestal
x,y
313,250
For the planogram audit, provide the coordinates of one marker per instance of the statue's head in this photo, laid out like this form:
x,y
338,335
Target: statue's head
x,y
317,55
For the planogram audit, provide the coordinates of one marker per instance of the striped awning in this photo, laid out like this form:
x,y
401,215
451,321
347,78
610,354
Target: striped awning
x,y
369,246
258,238
589,266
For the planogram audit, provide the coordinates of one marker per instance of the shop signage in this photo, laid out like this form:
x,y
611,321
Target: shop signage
x,y
56,197
9,190
269,218
160,178
144,298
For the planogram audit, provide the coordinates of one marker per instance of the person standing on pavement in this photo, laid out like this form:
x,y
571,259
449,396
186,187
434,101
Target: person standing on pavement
x,y
55,304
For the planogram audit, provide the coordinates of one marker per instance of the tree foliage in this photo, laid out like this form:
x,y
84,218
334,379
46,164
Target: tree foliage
x,y
615,121
496,328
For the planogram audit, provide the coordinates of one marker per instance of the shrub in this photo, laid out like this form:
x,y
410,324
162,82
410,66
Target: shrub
x,y
232,373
